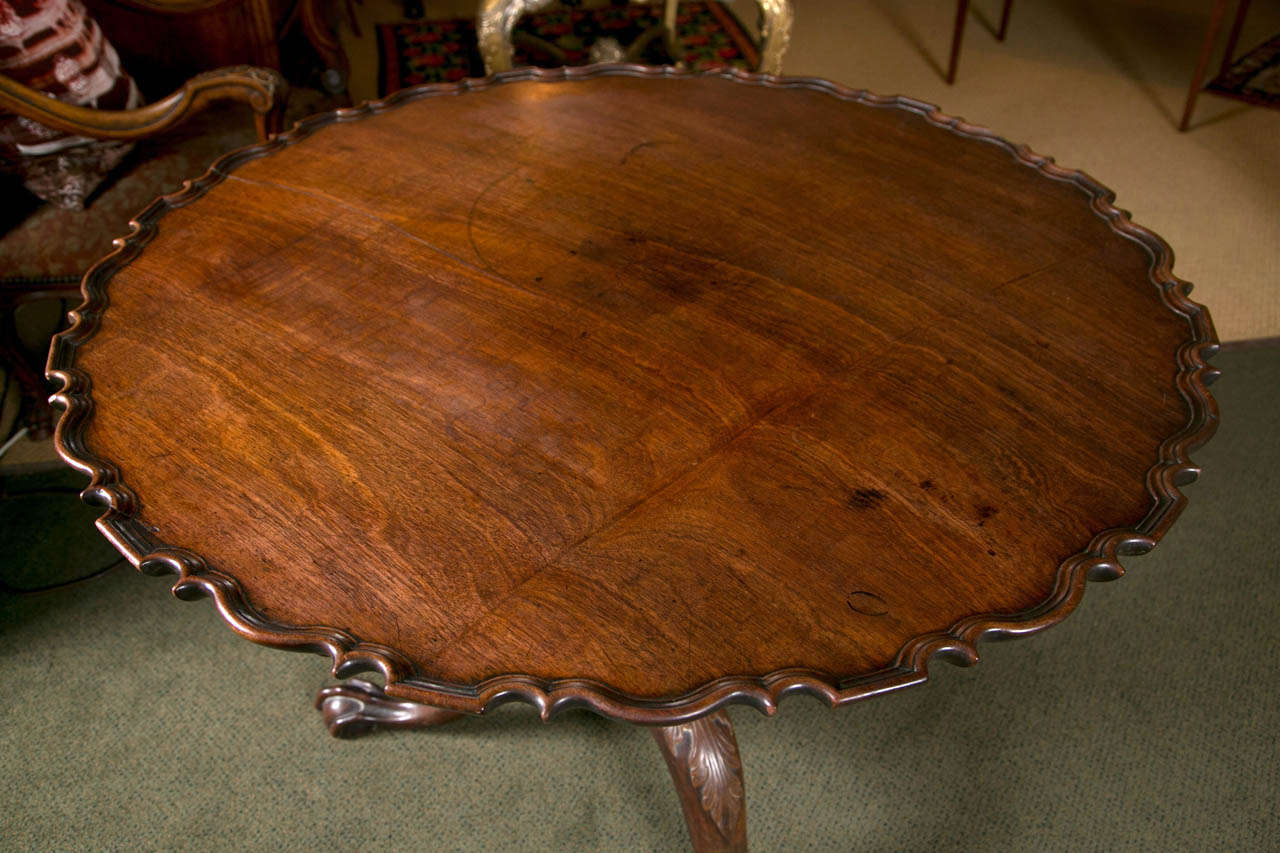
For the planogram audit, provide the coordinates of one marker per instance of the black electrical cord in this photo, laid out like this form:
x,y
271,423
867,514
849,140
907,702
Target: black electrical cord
x,y
33,590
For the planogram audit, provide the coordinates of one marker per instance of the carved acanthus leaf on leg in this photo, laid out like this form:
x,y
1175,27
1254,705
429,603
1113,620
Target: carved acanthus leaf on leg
x,y
702,756
715,768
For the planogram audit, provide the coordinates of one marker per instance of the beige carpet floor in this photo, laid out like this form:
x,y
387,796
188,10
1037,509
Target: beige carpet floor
x,y
1147,721
1098,84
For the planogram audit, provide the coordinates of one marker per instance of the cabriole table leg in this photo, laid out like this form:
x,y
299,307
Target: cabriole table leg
x,y
703,759
357,706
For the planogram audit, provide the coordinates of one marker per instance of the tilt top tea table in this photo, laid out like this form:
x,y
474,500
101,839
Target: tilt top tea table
x,y
637,391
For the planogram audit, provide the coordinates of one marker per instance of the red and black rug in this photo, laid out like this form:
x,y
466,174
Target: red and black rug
x,y
1254,77
707,34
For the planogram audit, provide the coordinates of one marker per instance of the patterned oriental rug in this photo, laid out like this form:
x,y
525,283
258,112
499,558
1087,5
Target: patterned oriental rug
x,y
707,36
1254,77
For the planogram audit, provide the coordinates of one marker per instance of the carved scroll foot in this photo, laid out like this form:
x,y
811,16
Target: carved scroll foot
x,y
358,706
703,759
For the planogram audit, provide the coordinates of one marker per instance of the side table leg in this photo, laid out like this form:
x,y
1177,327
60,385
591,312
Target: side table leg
x,y
704,763
357,706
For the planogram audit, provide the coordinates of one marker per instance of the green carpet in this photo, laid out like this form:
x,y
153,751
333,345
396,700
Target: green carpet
x,y
1147,720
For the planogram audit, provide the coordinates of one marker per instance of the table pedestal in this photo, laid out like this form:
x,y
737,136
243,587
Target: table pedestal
x,y
702,756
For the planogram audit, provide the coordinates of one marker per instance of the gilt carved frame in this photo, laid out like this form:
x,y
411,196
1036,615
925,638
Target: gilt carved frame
x,y
497,19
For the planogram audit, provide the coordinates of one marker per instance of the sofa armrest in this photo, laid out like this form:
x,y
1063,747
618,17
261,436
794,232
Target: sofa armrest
x,y
262,88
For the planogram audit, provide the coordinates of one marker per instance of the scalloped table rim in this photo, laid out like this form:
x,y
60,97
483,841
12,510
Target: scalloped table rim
x,y
1098,560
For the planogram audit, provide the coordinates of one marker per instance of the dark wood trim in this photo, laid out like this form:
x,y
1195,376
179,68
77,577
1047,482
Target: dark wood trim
x,y
730,23
1099,559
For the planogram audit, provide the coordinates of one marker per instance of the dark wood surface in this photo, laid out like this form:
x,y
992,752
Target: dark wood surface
x,y
636,391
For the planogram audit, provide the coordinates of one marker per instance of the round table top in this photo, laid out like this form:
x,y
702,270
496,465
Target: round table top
x,y
636,390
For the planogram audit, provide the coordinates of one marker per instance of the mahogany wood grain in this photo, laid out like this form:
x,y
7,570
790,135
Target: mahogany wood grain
x,y
636,390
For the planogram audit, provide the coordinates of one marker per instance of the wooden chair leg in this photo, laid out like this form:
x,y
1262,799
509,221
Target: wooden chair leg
x,y
957,37
1202,63
1004,20
1229,55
